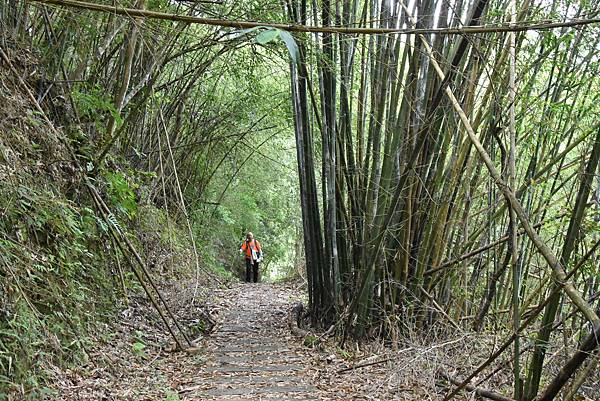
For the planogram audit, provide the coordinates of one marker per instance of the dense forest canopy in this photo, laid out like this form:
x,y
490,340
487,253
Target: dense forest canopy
x,y
443,177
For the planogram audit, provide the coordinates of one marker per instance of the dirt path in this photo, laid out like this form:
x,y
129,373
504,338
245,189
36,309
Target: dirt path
x,y
251,355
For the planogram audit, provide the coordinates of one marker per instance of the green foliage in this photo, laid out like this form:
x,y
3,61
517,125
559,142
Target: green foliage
x,y
264,200
219,269
310,340
343,353
137,348
291,45
170,395
121,193
255,186
55,282
95,105
50,265
162,233
268,35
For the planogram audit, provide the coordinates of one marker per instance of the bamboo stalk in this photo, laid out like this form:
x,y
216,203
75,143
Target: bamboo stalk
x,y
479,391
126,76
513,243
544,250
590,343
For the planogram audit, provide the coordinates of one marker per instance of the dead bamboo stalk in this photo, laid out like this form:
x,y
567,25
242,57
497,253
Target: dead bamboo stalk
x,y
579,380
483,248
121,276
364,365
140,262
590,343
115,235
439,308
479,391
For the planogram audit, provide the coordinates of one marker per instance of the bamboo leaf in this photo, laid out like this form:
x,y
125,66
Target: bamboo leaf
x,y
244,32
267,36
291,44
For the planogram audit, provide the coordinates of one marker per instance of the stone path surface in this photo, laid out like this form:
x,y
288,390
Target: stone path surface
x,y
252,356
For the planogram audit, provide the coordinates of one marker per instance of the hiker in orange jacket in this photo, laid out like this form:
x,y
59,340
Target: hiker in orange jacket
x,y
253,252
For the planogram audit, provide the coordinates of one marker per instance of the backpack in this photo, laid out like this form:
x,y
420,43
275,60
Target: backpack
x,y
256,254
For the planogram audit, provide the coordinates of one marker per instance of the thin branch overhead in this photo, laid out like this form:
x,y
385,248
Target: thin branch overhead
x,y
132,12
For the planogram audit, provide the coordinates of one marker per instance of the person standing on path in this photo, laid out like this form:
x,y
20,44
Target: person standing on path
x,y
253,252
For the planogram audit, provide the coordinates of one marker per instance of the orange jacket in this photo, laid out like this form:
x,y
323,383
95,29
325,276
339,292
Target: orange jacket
x,y
248,246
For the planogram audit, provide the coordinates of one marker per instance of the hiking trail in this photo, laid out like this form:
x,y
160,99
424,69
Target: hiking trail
x,y
251,354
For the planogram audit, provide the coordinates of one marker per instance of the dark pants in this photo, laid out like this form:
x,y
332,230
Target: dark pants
x,y
251,271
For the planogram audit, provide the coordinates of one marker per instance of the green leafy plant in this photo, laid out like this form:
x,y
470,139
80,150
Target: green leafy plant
x,y
170,395
310,340
121,194
137,348
94,104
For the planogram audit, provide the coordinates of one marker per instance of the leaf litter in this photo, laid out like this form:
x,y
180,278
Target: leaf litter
x,y
251,354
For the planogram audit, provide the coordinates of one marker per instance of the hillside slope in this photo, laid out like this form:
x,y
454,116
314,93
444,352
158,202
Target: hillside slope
x,y
61,277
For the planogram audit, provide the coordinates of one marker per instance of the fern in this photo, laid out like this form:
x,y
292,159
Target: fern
x,y
113,220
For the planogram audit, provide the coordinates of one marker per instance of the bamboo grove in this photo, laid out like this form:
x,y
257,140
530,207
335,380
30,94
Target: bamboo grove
x,y
191,105
449,181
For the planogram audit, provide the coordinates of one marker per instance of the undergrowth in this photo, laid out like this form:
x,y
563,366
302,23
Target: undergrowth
x,y
53,265
60,273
